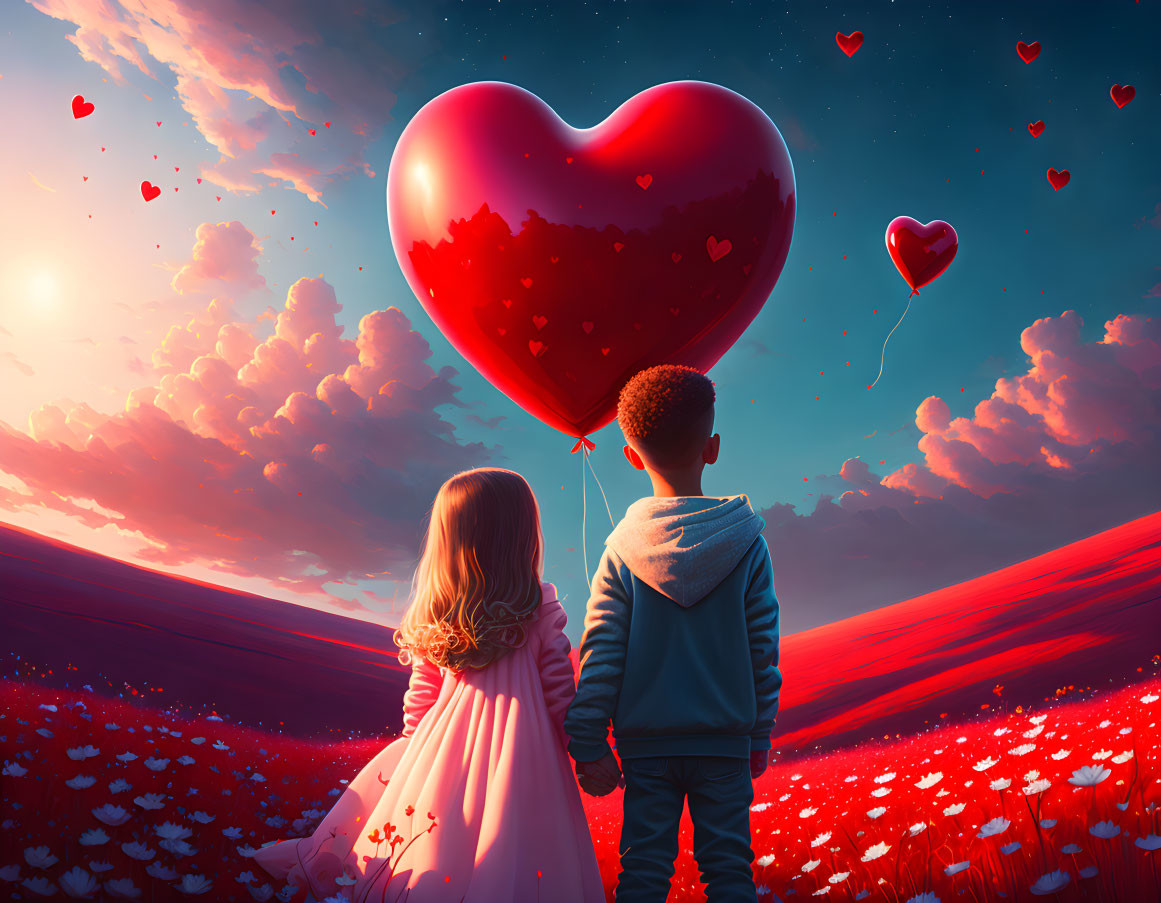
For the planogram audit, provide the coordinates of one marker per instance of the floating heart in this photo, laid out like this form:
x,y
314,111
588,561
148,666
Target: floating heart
x,y
82,107
1058,179
849,43
461,189
149,191
1028,52
1122,94
1036,128
920,252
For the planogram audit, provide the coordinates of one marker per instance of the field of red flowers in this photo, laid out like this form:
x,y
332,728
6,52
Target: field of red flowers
x,y
104,799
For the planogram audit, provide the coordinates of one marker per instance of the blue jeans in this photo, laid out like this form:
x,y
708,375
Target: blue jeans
x,y
720,793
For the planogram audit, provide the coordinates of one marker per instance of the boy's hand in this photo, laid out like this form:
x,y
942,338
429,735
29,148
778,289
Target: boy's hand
x,y
599,778
759,759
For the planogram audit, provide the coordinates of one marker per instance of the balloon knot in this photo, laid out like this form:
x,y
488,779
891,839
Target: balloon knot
x,y
583,442
914,292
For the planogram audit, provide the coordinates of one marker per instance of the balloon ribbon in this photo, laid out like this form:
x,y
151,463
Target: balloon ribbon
x,y
882,355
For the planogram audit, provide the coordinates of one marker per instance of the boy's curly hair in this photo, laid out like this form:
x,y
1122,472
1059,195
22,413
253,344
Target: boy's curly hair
x,y
665,410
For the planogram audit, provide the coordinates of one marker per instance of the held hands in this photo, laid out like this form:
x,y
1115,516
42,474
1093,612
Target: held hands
x,y
759,759
599,778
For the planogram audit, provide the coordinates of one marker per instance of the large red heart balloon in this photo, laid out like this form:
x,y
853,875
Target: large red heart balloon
x,y
561,261
920,252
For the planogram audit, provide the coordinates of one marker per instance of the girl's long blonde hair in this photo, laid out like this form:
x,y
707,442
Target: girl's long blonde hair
x,y
478,580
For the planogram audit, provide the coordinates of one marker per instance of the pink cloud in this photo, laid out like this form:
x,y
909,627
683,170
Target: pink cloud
x,y
224,252
305,457
255,74
1068,449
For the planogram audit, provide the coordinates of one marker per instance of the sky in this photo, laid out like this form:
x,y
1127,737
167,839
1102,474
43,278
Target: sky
x,y
193,383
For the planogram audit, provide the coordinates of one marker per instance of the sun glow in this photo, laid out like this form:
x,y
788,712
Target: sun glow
x,y
42,287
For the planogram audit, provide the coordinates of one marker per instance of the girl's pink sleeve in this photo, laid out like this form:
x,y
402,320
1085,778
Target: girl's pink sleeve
x,y
422,692
556,674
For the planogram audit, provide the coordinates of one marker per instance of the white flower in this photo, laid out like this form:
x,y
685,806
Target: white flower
x,y
985,764
1062,754
119,786
194,884
961,739
44,732
838,877
245,877
995,826
876,851
956,867
170,831
781,799
1070,849
160,872
881,791
954,809
126,757
926,897
1050,883
850,777
1037,719
1022,750
232,833
39,885
1104,723
177,847
1125,730
796,777
763,861
825,889
186,760
138,851
39,857
99,867
943,793
1089,775
918,828
1009,848
1149,698
122,889
1035,732
81,753
760,807
1032,775
1047,823
94,837
1123,757
863,894
111,815
1106,830
48,707
246,851
80,782
930,780
1037,787
876,812
1102,755
1152,842
76,882
884,778
1089,872
14,770
1000,784
812,865
197,741
203,818
110,726
156,764
820,840
218,744
1000,731
806,813
150,801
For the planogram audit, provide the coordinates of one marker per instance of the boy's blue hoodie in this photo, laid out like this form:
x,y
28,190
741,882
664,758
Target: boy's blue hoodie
x,y
680,649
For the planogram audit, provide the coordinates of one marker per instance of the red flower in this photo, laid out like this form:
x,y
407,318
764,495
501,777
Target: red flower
x,y
410,810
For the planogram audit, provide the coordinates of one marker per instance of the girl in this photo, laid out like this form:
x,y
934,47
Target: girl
x,y
476,802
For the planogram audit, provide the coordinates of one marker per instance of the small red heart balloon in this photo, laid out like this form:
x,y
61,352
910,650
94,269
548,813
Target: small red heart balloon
x,y
1028,52
1122,94
1058,179
1036,128
849,43
82,107
920,252
502,214
149,191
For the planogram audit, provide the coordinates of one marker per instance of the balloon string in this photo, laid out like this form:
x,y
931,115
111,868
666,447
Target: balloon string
x,y
612,523
886,340
584,514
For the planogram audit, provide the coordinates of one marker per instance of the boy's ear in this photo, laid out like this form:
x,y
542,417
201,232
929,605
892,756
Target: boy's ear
x,y
634,458
713,444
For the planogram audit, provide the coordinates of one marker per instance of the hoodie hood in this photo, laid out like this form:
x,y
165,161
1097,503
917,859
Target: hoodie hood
x,y
685,546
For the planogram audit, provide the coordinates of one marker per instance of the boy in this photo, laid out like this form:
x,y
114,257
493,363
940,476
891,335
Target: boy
x,y
680,652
